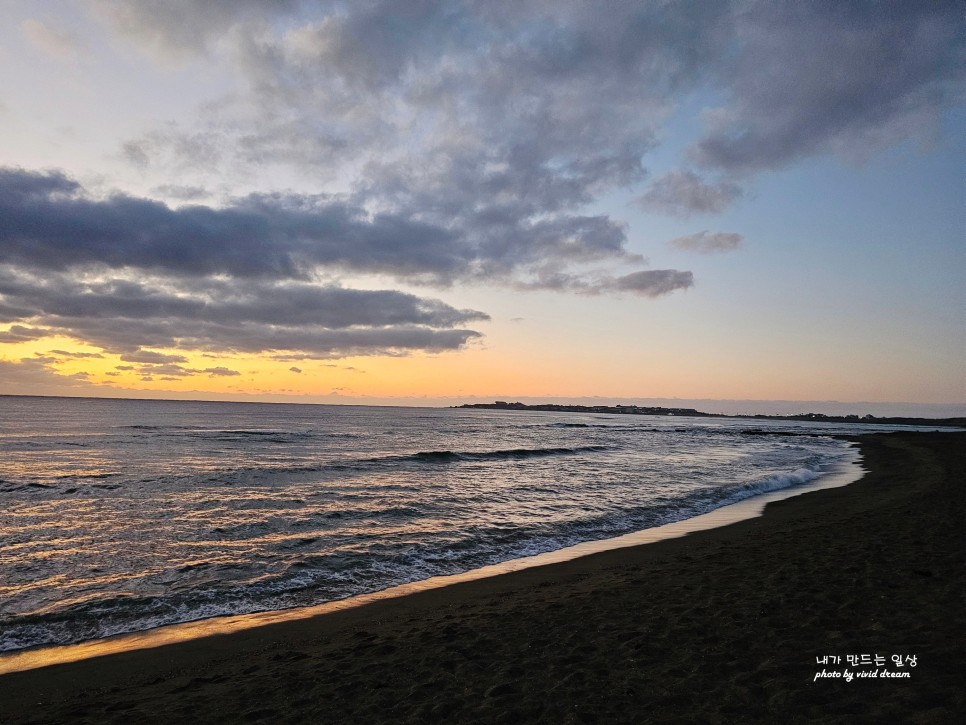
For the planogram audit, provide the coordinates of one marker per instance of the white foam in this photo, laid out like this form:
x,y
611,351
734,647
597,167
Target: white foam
x,y
778,488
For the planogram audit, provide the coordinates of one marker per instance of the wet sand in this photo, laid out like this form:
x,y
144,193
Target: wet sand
x,y
719,626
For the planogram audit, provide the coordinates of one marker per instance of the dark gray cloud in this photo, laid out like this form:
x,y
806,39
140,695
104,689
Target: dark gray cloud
x,y
223,302
708,242
491,125
560,99
833,77
134,276
9,313
683,193
19,333
655,282
645,283
136,318
46,222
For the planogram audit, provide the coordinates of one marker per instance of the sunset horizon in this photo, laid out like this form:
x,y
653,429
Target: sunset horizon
x,y
501,361
274,204
713,406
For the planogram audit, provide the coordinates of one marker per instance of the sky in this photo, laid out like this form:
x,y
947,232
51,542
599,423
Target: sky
x,y
443,202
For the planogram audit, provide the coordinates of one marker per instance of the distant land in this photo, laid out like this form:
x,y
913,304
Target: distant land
x,y
889,413
691,412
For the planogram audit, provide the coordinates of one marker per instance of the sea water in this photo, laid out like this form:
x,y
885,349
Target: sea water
x,y
124,515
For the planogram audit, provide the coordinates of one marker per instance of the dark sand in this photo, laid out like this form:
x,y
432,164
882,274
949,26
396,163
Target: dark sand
x,y
719,626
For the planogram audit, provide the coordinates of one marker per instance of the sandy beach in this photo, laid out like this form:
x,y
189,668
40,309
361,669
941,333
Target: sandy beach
x,y
719,626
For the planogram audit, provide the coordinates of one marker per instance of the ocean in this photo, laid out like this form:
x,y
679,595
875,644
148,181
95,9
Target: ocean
x,y
124,515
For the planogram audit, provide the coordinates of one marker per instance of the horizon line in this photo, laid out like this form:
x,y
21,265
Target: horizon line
x,y
412,401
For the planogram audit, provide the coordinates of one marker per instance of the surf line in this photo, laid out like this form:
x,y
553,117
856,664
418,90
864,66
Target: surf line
x,y
846,472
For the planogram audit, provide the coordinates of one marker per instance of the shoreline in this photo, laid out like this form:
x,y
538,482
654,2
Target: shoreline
x,y
724,624
846,472
664,412
927,420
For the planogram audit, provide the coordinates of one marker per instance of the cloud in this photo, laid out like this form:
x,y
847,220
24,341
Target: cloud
x,y
220,371
127,274
135,154
77,355
137,317
9,313
19,333
452,143
226,302
150,356
295,369
645,283
472,135
172,371
683,193
654,283
831,77
559,100
708,242
47,223
39,370
37,373
169,369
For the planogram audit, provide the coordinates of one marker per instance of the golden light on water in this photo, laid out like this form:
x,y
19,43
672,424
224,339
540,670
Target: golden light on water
x,y
170,634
